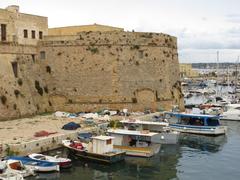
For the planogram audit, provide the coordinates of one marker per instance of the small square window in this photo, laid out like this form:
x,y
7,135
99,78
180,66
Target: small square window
x,y
33,35
25,33
42,55
109,141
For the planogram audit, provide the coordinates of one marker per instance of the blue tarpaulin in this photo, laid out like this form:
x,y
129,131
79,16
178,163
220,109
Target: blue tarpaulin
x,y
71,126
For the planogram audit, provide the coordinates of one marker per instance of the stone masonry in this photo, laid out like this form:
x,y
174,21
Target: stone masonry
x,y
87,71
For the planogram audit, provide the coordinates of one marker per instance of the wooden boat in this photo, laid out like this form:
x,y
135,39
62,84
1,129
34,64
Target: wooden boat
x,y
166,134
196,123
40,166
62,162
135,143
100,149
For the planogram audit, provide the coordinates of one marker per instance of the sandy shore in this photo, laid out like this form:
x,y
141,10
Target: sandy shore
x,y
23,130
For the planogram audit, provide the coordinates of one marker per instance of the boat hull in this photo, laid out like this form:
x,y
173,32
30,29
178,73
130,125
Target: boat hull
x,y
103,158
139,151
204,130
166,138
39,166
232,117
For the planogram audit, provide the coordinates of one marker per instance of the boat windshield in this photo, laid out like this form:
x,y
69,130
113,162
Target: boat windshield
x,y
213,122
199,121
194,121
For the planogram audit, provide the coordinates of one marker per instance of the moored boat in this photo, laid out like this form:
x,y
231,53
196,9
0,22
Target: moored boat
x,y
62,162
196,123
40,166
100,150
231,112
135,143
166,134
16,167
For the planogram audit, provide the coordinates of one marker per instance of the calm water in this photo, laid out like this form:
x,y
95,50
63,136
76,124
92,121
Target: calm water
x,y
195,157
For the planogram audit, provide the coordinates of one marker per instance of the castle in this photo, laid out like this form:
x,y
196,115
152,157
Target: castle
x,y
83,68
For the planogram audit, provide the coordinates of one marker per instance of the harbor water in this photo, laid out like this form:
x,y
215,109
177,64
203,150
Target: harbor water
x,y
194,157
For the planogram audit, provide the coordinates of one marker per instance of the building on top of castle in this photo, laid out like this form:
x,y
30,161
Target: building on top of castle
x,y
74,30
21,28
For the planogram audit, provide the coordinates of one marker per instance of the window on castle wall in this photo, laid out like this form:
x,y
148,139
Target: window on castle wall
x,y
15,69
42,55
140,54
33,57
25,33
3,32
33,34
40,34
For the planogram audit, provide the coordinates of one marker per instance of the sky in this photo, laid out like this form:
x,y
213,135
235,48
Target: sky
x,y
202,27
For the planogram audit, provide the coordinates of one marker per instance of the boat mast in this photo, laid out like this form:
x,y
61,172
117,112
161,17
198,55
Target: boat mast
x,y
236,75
228,78
217,93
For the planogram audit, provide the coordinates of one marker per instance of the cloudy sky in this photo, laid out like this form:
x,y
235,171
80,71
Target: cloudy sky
x,y
202,27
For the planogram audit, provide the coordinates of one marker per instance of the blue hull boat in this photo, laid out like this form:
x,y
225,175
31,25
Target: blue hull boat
x,y
40,166
196,123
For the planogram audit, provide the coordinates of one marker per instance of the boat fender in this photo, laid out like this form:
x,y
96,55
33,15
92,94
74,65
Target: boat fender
x,y
162,137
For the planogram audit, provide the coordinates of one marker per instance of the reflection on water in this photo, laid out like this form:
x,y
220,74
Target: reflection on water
x,y
203,143
195,157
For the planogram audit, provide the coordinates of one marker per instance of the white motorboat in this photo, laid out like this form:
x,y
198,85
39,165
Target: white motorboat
x,y
196,123
100,149
62,162
135,143
231,112
166,134
17,167
38,165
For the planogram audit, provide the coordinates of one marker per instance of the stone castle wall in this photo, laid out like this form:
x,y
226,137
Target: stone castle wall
x,y
95,70
19,71
85,71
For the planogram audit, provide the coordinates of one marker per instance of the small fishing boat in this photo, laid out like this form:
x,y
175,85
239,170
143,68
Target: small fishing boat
x,y
135,143
100,150
39,165
196,123
8,174
16,166
166,134
62,162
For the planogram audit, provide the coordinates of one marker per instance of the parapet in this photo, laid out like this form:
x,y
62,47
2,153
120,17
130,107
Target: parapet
x,y
97,38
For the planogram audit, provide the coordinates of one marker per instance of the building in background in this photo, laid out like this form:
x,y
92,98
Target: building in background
x,y
186,71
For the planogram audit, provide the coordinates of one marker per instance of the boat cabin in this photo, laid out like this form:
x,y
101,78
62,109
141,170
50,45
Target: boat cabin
x,y
144,125
194,119
102,144
125,137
